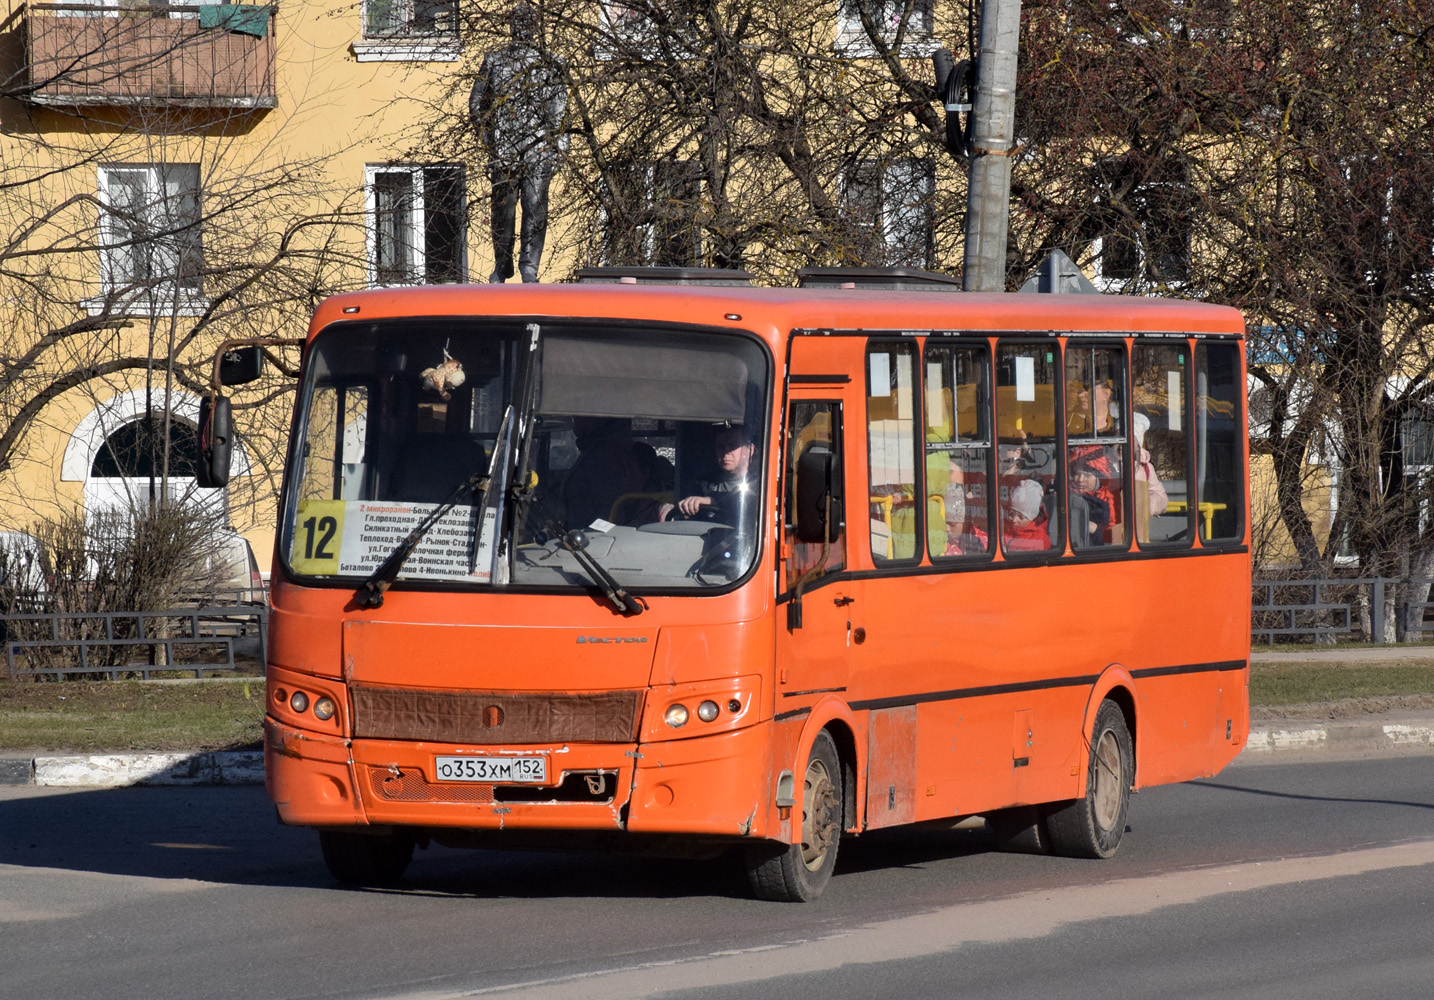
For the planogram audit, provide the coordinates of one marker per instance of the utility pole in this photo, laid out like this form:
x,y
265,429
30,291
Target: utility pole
x,y
988,193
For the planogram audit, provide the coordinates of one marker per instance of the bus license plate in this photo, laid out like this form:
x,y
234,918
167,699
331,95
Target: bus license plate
x,y
497,770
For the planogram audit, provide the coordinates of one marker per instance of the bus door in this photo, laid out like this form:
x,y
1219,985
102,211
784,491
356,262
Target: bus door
x,y
817,631
819,638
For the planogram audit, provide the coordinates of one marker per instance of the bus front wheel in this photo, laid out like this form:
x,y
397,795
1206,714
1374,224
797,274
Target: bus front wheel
x,y
797,873
1092,827
366,859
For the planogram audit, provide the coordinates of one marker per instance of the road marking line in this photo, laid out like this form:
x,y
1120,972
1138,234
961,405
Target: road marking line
x,y
1028,915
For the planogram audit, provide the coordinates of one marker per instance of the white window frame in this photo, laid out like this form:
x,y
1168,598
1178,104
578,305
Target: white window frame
x,y
853,42
441,44
416,224
160,186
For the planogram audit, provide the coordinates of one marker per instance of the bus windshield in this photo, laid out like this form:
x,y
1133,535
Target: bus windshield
x,y
568,450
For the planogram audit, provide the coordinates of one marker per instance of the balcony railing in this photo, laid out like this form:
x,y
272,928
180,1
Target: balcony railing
x,y
187,55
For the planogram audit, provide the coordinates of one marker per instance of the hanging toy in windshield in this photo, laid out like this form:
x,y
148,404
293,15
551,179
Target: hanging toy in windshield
x,y
444,376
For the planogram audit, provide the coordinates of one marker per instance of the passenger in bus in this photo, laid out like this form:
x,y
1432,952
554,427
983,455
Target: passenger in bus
x,y
1023,519
721,499
1087,419
1093,504
1155,500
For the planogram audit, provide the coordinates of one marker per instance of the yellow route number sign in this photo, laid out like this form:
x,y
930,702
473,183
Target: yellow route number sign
x,y
317,537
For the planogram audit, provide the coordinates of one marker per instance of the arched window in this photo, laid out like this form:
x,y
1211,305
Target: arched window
x,y
136,450
127,472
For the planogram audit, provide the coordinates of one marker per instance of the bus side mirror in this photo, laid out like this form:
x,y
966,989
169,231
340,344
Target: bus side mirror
x,y
240,365
817,495
216,441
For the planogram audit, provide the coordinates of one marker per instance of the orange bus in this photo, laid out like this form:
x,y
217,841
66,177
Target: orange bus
x,y
664,560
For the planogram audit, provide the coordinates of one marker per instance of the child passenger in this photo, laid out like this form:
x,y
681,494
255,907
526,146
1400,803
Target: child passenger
x,y
1023,519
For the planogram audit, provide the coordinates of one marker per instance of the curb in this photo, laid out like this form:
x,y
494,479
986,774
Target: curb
x,y
247,767
122,770
1275,737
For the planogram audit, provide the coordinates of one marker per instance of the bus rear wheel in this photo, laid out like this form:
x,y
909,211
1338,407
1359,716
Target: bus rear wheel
x,y
797,873
1092,827
366,859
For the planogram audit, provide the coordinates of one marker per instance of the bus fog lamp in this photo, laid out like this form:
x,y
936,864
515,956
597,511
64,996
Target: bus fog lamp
x,y
299,701
676,716
734,706
324,709
707,711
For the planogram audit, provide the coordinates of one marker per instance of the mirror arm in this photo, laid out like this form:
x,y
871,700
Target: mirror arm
x,y
263,343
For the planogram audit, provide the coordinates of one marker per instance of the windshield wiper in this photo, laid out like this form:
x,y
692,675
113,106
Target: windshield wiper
x,y
370,592
576,542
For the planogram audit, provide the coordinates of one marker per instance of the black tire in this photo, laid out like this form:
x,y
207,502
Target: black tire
x,y
366,859
1092,827
797,873
1020,830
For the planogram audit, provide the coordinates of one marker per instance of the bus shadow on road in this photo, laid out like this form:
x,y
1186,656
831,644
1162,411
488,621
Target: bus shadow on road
x,y
229,835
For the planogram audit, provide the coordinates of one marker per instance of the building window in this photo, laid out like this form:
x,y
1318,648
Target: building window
x,y
416,232
650,214
410,19
890,206
1146,220
902,23
145,462
151,251
409,31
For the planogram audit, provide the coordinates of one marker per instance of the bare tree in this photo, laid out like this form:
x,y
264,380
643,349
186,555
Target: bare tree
x,y
734,135
140,231
1273,155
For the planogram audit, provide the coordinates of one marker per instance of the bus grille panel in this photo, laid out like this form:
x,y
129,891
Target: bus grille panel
x,y
495,717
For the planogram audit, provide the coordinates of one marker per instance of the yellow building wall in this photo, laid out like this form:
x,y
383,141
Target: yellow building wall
x,y
334,116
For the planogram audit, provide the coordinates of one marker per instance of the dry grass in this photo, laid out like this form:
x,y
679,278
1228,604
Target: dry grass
x,y
128,716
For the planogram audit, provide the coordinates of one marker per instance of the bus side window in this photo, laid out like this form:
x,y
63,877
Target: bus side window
x,y
1096,448
1026,442
1219,428
1160,442
891,442
958,449
813,432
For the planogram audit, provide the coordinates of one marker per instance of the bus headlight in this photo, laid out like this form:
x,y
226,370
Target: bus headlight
x,y
324,709
676,716
299,701
707,711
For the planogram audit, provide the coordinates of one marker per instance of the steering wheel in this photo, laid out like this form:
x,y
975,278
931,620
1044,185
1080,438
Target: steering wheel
x,y
707,512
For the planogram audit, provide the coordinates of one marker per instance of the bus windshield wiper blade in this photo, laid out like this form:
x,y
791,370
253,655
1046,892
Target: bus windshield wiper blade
x,y
576,542
370,592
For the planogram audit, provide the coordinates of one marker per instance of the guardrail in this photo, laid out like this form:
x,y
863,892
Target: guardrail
x,y
1331,610
118,644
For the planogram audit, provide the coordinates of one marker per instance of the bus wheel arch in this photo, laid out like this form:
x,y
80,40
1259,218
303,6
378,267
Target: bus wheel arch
x,y
1116,685
798,872
1093,825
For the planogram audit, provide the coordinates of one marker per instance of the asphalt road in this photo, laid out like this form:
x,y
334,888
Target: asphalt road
x,y
1269,881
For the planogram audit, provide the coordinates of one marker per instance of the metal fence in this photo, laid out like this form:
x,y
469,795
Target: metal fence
x,y
1332,610
200,640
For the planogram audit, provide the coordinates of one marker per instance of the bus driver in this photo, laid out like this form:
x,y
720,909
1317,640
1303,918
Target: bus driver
x,y
723,497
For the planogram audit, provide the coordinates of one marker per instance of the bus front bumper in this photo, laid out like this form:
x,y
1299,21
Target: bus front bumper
x,y
706,786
